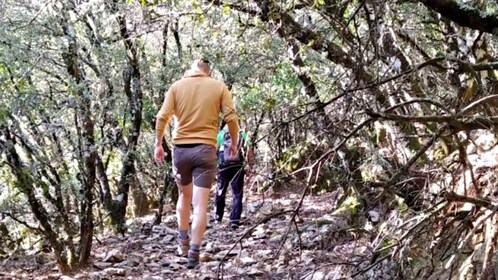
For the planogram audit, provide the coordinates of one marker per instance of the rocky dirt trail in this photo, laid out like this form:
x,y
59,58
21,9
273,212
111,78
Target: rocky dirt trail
x,y
267,246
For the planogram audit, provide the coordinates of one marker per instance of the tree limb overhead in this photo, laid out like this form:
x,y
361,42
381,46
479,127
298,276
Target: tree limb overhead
x,y
464,15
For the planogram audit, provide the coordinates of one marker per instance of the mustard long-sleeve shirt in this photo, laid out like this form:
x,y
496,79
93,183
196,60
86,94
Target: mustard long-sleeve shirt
x,y
196,101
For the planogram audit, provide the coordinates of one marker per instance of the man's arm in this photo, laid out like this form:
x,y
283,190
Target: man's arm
x,y
229,115
164,116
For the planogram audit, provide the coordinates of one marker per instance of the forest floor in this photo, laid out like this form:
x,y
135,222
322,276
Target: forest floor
x,y
275,241
266,246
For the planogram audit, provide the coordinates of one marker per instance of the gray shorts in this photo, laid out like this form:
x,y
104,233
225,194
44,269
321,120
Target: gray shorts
x,y
197,163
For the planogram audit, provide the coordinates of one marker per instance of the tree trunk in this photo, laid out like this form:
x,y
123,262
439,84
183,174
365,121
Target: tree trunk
x,y
87,150
140,200
133,91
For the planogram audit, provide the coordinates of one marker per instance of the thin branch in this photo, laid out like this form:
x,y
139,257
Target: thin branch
x,y
456,122
419,153
248,231
34,17
419,100
296,211
24,223
431,62
371,266
477,103
481,202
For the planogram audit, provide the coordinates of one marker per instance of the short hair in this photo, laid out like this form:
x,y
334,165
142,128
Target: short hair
x,y
201,64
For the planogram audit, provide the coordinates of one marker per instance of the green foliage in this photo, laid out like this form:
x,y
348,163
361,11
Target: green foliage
x,y
350,206
284,83
293,158
149,113
318,3
400,204
226,10
386,243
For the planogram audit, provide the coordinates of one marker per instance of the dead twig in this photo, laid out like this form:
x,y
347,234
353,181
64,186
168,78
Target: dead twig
x,y
299,239
24,223
481,202
294,214
371,266
246,233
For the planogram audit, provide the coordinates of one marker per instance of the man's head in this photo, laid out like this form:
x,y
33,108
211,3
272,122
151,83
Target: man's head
x,y
201,65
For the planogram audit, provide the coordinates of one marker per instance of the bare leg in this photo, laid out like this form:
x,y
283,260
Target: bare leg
x,y
200,202
183,206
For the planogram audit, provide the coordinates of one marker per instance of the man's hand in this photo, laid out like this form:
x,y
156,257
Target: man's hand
x,y
233,150
159,155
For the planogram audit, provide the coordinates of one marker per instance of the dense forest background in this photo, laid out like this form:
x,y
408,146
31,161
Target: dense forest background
x,y
389,107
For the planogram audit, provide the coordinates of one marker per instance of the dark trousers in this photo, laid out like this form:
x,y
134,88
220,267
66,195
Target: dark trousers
x,y
233,176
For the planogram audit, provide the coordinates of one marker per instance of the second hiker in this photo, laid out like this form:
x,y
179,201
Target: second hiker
x,y
231,171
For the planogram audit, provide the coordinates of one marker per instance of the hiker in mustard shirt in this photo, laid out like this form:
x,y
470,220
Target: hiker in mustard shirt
x,y
196,102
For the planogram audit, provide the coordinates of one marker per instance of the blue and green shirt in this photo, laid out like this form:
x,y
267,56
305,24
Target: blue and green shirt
x,y
222,132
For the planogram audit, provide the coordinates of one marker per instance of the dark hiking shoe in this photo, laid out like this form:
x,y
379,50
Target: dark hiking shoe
x,y
234,226
192,259
212,222
183,246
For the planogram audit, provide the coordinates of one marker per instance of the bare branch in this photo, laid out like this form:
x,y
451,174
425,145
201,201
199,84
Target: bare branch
x,y
464,15
481,202
457,122
248,231
477,103
24,223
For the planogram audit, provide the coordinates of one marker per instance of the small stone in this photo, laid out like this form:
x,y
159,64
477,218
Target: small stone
x,y
264,253
276,239
211,264
174,266
374,216
152,277
317,275
222,254
181,260
93,275
205,257
244,253
168,239
112,271
247,261
254,272
206,277
170,248
170,219
148,247
260,236
153,264
122,264
281,269
102,265
259,265
209,247
113,256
